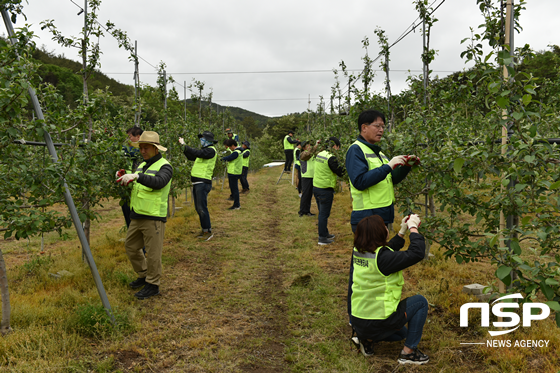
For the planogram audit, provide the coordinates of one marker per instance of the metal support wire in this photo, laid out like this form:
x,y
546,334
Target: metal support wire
x,y
67,196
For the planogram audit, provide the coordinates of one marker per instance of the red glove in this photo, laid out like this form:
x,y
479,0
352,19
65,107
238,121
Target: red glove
x,y
127,179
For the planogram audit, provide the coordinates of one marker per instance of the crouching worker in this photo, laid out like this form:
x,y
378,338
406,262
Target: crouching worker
x,y
148,214
378,313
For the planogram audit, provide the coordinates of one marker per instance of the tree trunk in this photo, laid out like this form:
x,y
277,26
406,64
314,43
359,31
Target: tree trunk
x,y
6,310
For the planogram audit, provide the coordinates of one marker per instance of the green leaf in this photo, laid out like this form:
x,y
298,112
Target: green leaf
x,y
520,187
526,220
458,164
515,247
459,259
558,319
533,131
505,182
503,102
554,185
547,290
551,281
526,99
502,272
529,158
517,115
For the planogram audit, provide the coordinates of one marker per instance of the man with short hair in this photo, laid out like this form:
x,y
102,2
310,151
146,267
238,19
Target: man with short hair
x,y
230,135
201,178
324,182
234,170
150,189
246,146
307,160
289,143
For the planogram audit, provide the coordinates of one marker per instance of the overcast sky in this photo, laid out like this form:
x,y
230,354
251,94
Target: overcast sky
x,y
268,56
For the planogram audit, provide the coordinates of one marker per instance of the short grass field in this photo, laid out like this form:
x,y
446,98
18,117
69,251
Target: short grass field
x,y
261,296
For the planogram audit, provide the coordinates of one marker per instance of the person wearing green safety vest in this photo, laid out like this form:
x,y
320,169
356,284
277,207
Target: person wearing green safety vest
x,y
324,182
230,135
246,146
201,178
297,152
307,160
378,313
372,175
234,170
151,183
289,144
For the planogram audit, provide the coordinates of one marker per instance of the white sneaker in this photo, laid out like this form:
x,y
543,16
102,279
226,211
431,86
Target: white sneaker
x,y
300,195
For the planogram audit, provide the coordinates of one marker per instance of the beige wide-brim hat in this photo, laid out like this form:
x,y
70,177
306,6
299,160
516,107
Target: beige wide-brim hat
x,y
149,137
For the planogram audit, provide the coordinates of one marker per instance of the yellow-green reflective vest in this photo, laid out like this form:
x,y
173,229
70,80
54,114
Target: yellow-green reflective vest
x,y
147,201
295,157
308,168
204,168
246,160
287,144
374,295
324,177
379,195
235,167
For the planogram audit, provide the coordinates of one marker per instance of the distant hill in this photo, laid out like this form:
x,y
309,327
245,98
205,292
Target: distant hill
x,y
238,113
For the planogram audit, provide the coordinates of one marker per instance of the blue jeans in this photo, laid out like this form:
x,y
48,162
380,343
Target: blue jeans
x,y
324,199
416,314
234,188
200,195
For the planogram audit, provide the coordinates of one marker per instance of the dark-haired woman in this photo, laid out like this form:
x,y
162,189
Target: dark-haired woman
x,y
378,313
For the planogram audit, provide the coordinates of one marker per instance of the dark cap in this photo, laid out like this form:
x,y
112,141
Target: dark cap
x,y
334,140
246,143
290,131
209,136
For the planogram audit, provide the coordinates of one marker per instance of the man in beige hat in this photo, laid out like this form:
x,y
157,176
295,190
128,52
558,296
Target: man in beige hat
x,y
148,215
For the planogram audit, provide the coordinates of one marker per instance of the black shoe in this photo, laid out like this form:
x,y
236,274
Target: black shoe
x,y
138,283
234,208
310,214
300,215
149,291
324,241
366,347
230,199
331,236
415,357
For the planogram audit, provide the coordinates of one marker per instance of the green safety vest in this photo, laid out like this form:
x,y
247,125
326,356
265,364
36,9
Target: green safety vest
x,y
308,168
374,295
295,157
204,168
246,160
324,177
379,195
147,201
287,144
235,167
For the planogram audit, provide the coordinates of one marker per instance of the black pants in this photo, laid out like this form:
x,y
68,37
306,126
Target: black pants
x,y
306,194
298,170
244,182
234,188
289,159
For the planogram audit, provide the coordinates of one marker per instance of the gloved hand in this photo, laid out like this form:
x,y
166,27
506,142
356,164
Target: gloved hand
x,y
120,173
404,227
396,161
413,221
127,179
412,160
181,141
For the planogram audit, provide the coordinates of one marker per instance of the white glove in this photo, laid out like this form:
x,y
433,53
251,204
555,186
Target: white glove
x,y
127,179
413,221
181,141
398,160
404,227
120,173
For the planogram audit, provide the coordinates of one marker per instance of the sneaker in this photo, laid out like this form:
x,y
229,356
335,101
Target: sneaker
x,y
138,283
354,338
230,199
149,291
206,236
300,195
310,214
245,191
366,347
331,236
300,215
234,208
415,357
325,241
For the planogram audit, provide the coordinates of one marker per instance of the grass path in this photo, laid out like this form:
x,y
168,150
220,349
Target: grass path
x,y
261,296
